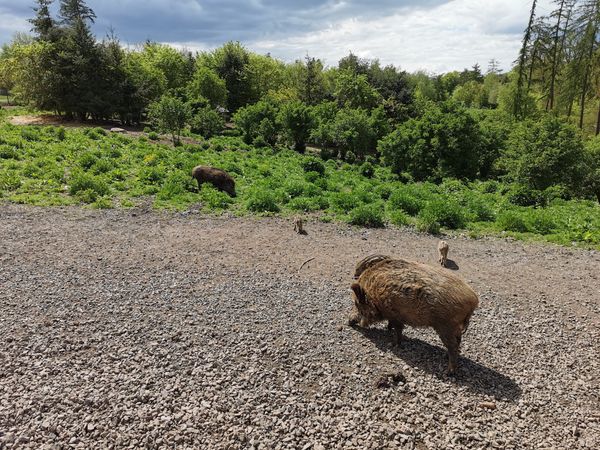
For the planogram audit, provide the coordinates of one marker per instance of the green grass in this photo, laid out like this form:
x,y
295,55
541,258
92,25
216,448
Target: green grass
x,y
63,166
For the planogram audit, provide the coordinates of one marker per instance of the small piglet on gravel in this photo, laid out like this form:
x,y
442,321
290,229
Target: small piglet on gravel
x,y
217,177
415,294
443,251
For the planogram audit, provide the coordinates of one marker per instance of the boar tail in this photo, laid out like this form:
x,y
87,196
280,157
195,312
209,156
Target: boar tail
x,y
465,324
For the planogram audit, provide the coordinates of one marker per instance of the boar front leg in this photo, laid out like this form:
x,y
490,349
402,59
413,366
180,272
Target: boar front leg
x,y
397,328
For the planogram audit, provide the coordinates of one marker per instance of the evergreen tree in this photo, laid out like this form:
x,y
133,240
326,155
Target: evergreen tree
x,y
72,11
42,22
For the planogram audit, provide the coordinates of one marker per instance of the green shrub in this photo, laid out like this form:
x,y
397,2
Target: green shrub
x,y
8,152
88,187
344,201
367,170
9,181
215,199
444,211
102,165
87,160
30,134
308,204
367,216
540,221
522,195
176,183
399,217
312,176
313,165
207,122
102,203
511,221
404,201
384,191
427,224
262,200
295,188
153,136
489,187
555,192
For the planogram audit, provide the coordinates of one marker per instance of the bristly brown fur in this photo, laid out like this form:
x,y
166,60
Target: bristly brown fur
x,y
415,294
368,262
217,177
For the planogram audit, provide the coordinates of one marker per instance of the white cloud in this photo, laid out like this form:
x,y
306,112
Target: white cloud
x,y
452,36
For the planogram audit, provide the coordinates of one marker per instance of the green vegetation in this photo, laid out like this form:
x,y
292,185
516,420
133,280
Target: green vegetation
x,y
58,166
509,153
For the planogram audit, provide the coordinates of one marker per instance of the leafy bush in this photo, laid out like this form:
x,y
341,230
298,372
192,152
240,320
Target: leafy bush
x,y
522,195
544,153
170,115
296,120
367,216
399,217
308,204
258,121
511,221
153,136
367,170
401,200
207,122
444,142
262,200
88,187
313,165
214,199
444,211
427,224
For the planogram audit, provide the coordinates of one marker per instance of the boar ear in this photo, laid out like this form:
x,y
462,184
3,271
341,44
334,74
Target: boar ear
x,y
358,291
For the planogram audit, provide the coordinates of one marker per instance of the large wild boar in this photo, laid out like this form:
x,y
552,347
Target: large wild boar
x,y
415,294
217,177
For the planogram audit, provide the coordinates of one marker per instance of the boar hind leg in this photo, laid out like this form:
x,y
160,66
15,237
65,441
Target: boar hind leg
x,y
451,339
397,328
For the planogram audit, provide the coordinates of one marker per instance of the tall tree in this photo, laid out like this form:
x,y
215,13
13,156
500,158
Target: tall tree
x,y
522,56
43,22
73,10
555,61
589,23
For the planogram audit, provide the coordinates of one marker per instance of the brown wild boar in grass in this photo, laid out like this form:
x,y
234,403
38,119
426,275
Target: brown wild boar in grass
x,y
415,294
443,251
217,177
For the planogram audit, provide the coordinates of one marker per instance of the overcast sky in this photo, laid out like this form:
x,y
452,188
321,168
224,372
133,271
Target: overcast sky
x,y
434,35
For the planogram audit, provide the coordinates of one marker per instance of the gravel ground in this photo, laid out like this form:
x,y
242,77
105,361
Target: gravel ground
x,y
129,328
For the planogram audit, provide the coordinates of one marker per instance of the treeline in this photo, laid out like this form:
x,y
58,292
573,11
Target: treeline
x,y
518,126
559,64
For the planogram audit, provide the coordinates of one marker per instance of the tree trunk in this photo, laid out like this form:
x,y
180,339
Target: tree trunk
x,y
530,76
550,104
517,104
598,122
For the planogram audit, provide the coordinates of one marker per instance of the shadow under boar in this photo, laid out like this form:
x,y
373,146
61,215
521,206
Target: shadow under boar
x,y
415,294
217,177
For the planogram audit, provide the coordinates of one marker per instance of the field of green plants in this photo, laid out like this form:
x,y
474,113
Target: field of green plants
x,y
65,166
